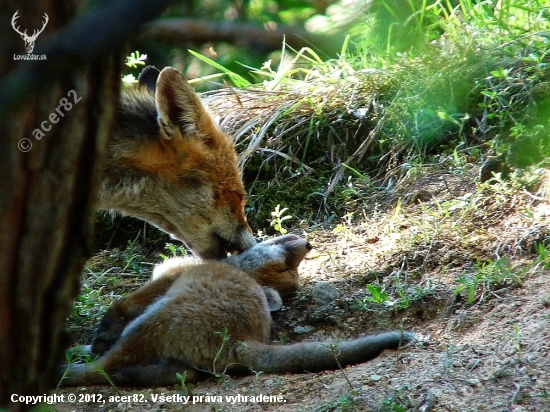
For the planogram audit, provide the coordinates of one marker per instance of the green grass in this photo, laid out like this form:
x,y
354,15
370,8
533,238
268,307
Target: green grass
x,y
469,80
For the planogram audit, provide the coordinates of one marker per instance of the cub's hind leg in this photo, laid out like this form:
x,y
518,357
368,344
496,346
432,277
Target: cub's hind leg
x,y
126,309
139,344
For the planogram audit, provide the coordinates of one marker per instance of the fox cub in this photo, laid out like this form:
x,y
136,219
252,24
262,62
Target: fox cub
x,y
213,317
168,163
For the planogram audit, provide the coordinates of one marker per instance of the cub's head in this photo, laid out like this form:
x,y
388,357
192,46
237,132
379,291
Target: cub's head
x,y
169,163
274,263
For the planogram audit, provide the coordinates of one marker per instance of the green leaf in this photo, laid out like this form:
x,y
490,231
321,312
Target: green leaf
x,y
238,80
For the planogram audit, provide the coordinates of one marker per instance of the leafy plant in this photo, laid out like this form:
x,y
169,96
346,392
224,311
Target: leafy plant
x,y
278,218
393,404
378,294
487,276
183,386
406,293
174,251
134,60
225,336
345,228
81,355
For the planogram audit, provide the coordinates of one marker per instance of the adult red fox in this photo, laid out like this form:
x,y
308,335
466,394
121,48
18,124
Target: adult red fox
x,y
169,164
213,317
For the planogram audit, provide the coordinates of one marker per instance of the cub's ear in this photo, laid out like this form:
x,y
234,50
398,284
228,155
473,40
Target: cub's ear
x,y
180,110
148,78
274,301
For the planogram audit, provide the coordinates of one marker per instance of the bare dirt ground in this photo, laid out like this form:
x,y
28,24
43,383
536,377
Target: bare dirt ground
x,y
487,354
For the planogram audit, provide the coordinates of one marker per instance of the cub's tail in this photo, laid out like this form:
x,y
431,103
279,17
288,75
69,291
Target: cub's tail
x,y
299,357
317,356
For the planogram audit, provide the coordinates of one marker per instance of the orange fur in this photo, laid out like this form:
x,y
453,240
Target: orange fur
x,y
168,163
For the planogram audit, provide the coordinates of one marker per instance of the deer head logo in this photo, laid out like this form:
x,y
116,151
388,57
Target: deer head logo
x,y
29,40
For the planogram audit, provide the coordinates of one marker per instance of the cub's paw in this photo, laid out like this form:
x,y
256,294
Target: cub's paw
x,y
107,333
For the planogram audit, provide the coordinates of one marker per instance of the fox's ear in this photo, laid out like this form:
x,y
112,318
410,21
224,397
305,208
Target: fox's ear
x,y
180,109
148,77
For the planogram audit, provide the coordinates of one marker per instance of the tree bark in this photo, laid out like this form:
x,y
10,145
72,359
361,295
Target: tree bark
x,y
55,116
46,214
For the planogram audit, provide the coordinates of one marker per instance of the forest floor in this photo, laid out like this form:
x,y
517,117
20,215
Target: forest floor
x,y
485,348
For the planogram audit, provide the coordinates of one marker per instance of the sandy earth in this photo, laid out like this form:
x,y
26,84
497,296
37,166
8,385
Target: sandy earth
x,y
491,355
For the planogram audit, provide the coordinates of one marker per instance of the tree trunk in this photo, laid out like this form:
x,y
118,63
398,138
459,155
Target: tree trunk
x,y
55,116
51,148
